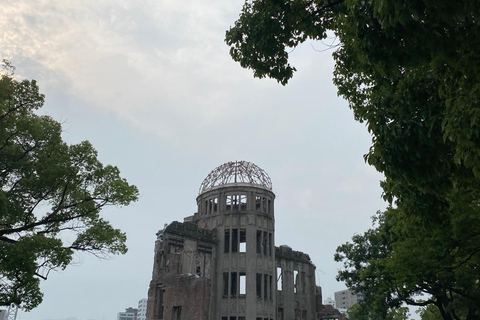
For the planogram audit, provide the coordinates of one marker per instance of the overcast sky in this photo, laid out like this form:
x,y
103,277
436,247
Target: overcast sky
x,y
152,86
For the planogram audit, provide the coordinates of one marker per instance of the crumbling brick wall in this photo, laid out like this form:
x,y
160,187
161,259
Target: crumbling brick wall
x,y
188,294
181,278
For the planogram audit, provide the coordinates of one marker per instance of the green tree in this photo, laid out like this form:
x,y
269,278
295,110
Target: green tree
x,y
429,313
399,258
50,198
361,311
411,71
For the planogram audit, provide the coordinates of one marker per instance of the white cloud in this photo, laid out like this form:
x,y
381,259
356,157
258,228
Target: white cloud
x,y
159,57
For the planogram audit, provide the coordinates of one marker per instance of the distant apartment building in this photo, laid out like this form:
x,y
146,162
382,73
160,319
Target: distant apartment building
x,y
346,299
129,314
142,309
329,301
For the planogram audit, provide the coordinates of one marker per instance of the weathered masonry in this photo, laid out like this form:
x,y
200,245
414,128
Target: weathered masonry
x,y
222,263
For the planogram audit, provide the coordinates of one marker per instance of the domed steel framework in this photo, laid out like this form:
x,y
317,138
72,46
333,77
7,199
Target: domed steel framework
x,y
236,172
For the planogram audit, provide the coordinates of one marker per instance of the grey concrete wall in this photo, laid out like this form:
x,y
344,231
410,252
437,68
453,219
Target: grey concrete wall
x,y
298,297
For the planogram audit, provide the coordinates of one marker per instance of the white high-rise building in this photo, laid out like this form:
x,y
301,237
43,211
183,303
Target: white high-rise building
x,y
129,314
347,298
142,309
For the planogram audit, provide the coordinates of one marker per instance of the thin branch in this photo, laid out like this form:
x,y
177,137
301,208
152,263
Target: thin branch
x,y
5,239
10,110
419,303
49,218
468,258
329,5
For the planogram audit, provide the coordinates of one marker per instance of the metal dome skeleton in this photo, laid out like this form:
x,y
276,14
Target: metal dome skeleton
x,y
236,172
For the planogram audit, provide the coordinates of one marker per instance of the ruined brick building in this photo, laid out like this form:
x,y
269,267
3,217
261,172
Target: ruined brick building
x,y
222,262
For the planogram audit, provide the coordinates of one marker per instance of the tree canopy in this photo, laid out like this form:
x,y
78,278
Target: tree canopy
x,y
361,311
410,70
51,196
429,313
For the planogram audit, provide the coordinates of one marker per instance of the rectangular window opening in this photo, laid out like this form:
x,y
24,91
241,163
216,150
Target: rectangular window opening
x,y
302,281
279,279
160,294
243,240
215,204
234,240
295,281
258,203
198,270
259,242
234,287
243,283
264,204
210,206
243,202
225,284
265,242
227,241
270,244
265,287
235,199
229,203
176,313
259,285
270,285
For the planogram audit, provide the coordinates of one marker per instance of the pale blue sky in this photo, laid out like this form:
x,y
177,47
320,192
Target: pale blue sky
x,y
151,85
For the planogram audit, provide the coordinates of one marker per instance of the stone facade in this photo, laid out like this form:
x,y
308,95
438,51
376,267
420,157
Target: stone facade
x,y
182,273
222,263
297,293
